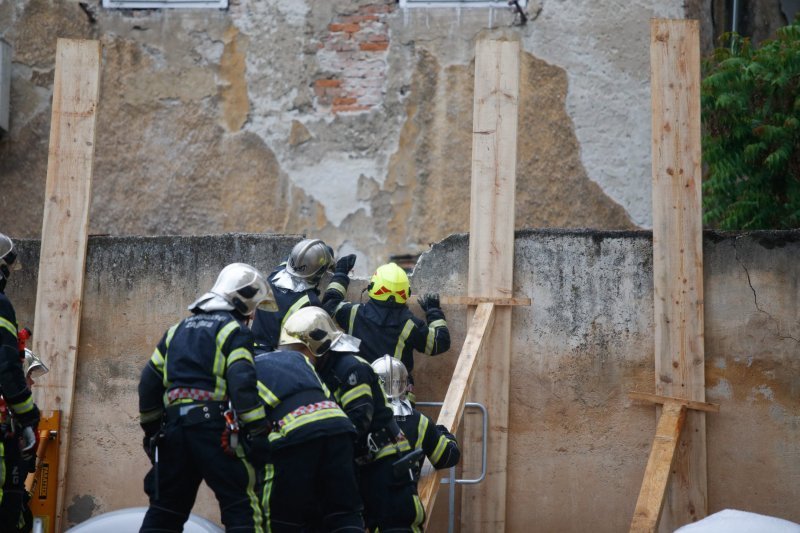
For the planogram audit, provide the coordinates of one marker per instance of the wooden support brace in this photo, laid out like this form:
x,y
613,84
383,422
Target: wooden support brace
x,y
453,407
475,300
647,514
656,475
663,400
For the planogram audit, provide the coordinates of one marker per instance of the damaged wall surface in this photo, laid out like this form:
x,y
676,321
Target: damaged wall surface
x,y
577,446
349,120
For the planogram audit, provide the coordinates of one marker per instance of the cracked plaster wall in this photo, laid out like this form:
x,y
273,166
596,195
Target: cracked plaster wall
x,y
349,120
584,343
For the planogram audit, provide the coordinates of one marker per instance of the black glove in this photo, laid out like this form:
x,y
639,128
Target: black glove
x,y
152,435
345,264
429,301
256,445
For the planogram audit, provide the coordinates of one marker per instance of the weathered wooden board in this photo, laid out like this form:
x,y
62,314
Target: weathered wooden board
x,y
453,405
491,262
64,232
678,252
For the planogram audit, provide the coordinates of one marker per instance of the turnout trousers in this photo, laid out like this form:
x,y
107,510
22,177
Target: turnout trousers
x,y
190,452
391,504
15,515
311,486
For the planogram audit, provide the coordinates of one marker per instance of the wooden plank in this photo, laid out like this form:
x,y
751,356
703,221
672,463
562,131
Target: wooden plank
x,y
64,232
491,264
656,475
678,251
475,300
453,405
691,404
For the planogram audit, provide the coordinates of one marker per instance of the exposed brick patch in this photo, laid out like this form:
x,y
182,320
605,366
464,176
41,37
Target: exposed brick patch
x,y
353,55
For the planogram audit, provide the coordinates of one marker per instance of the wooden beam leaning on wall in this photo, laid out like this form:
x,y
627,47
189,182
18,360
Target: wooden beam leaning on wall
x,y
678,253
662,455
491,271
453,406
64,233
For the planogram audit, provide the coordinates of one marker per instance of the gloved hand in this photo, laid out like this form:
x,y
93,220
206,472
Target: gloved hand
x,y
345,264
149,442
28,442
429,301
256,445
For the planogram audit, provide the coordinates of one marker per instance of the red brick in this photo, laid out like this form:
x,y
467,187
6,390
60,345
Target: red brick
x,y
375,8
350,108
328,83
349,28
355,19
344,101
378,37
374,47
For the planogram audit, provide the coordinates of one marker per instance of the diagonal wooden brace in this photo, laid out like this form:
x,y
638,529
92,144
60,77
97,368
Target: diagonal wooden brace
x,y
656,476
453,407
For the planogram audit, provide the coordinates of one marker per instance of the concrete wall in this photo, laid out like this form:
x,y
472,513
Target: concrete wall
x,y
334,118
577,445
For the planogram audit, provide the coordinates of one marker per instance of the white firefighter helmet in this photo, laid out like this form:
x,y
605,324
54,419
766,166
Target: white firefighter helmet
x,y
314,328
309,260
33,366
239,287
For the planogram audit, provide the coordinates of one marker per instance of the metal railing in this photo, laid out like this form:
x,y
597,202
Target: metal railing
x,y
452,480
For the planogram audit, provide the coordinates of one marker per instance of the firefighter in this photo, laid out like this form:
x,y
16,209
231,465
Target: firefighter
x,y
19,416
202,364
384,323
310,482
294,284
384,474
436,441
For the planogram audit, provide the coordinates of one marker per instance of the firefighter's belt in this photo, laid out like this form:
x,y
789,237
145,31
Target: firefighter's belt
x,y
194,413
305,410
181,393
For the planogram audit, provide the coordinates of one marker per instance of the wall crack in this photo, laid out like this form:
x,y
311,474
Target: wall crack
x,y
778,332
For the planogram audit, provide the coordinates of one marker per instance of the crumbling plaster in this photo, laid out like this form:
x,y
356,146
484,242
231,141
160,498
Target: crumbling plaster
x,y
577,445
350,120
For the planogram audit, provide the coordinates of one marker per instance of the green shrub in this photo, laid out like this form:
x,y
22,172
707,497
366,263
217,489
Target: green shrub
x,y
750,102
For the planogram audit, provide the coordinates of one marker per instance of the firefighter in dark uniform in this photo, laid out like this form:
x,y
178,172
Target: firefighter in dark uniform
x,y
310,482
202,365
294,284
20,417
384,474
439,445
384,323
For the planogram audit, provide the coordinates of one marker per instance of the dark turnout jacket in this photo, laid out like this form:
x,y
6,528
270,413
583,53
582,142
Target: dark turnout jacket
x,y
386,327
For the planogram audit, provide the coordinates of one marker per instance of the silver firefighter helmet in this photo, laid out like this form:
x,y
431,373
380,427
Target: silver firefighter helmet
x,y
33,366
315,329
8,256
393,376
239,287
310,259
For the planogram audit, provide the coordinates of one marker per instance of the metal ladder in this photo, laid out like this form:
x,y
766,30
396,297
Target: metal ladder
x,y
452,480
